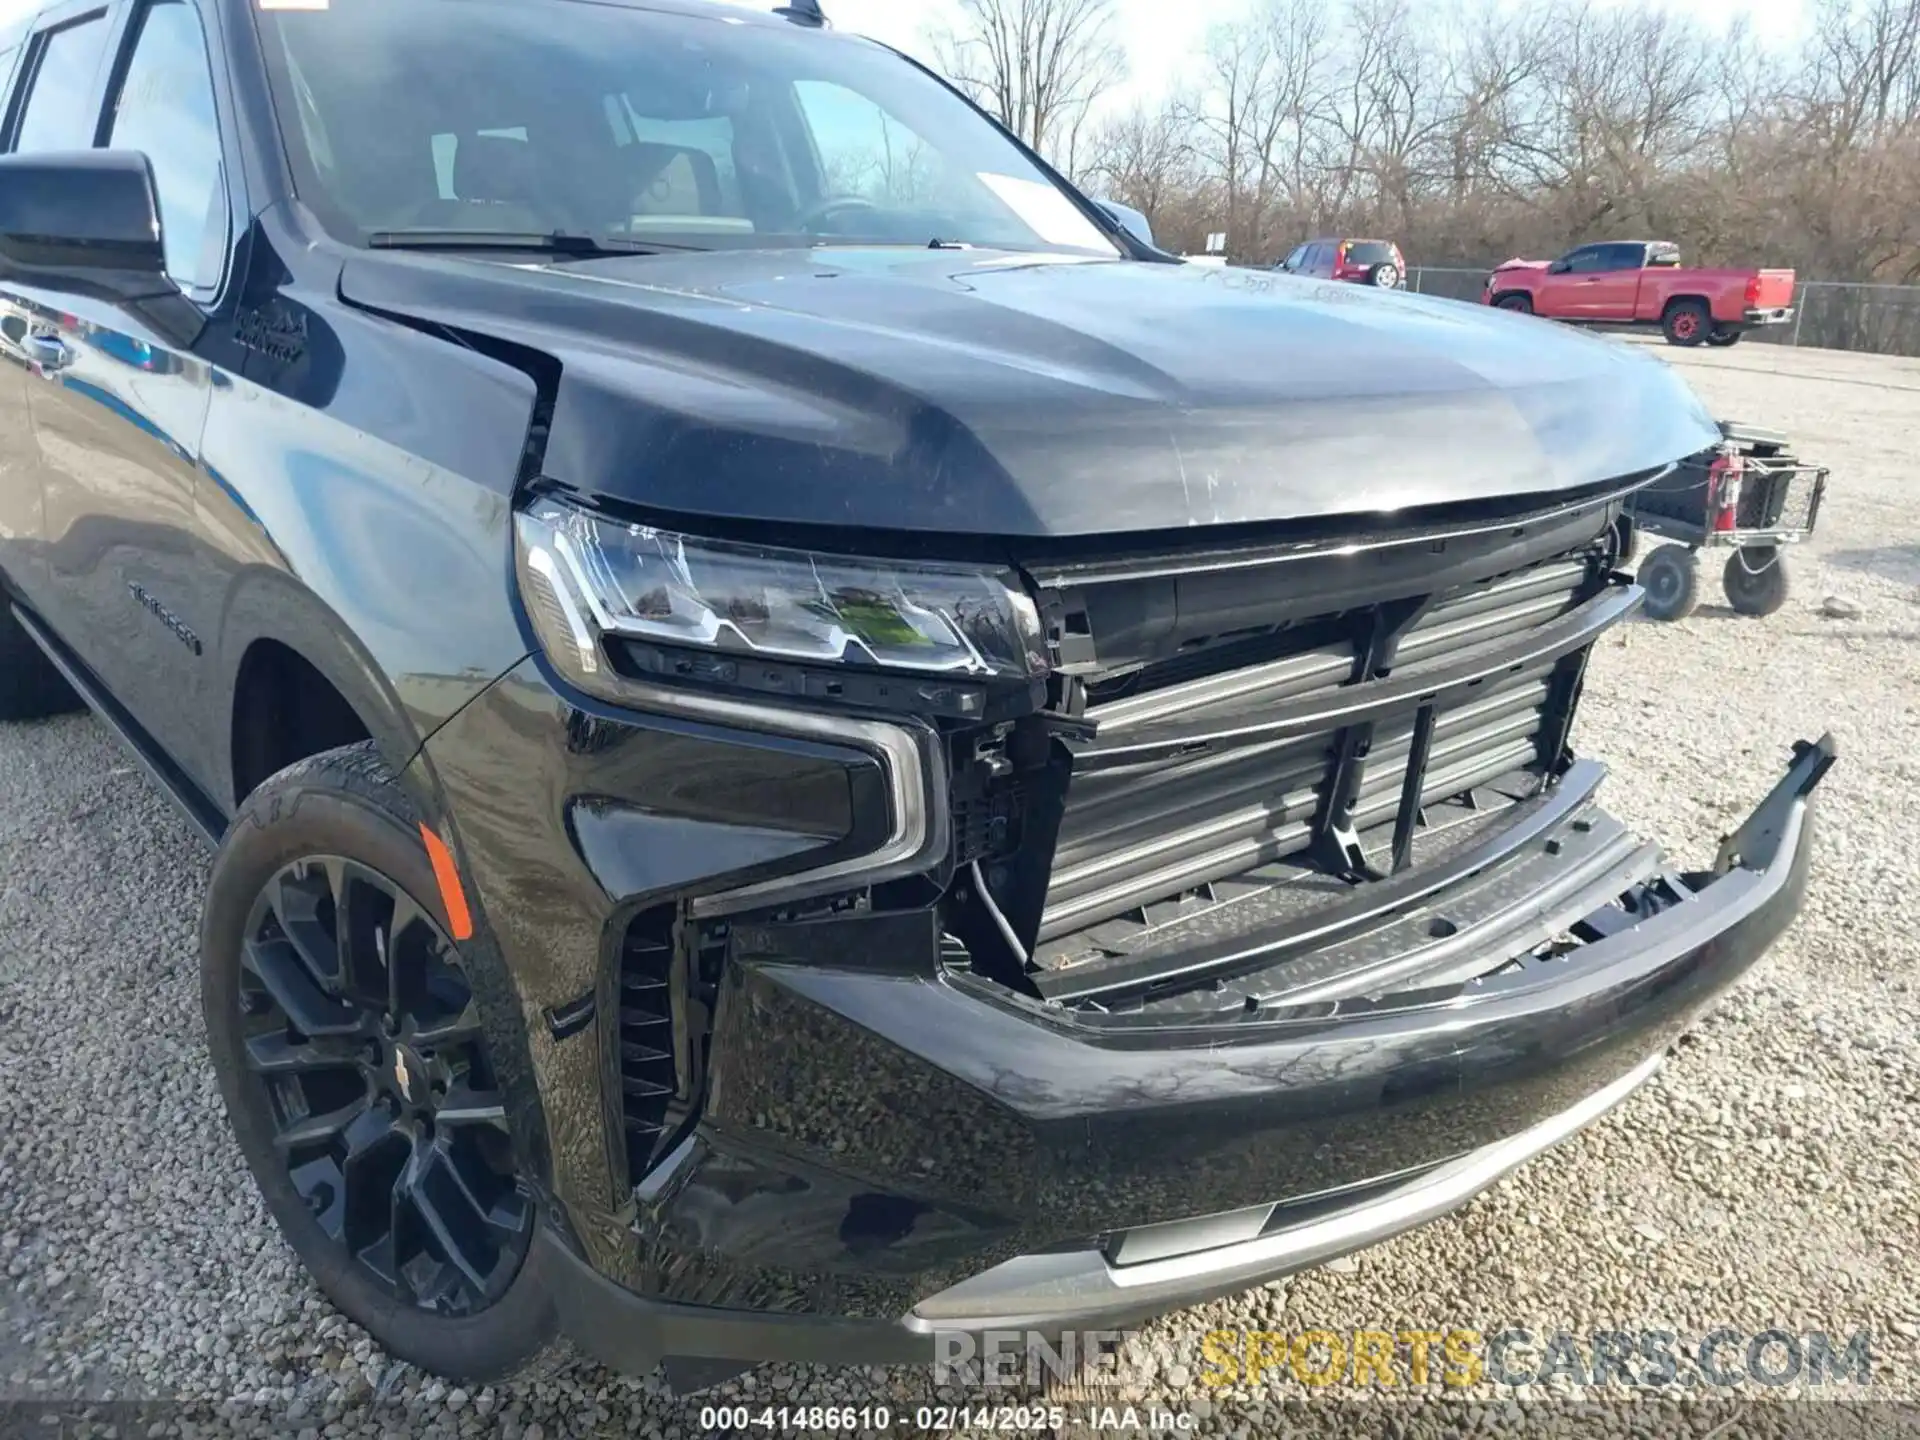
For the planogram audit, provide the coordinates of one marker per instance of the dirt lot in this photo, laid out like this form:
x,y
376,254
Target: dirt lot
x,y
1768,1177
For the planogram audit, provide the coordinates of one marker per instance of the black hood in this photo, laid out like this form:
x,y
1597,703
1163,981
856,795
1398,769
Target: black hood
x,y
990,394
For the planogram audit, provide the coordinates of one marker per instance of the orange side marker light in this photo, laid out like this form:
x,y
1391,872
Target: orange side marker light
x,y
447,875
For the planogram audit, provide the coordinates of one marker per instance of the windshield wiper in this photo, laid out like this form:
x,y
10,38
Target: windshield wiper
x,y
557,242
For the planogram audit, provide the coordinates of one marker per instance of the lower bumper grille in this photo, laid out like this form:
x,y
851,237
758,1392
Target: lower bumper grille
x,y
1186,782
648,1078
666,984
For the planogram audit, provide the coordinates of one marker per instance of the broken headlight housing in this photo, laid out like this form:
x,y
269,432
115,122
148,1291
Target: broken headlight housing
x,y
589,580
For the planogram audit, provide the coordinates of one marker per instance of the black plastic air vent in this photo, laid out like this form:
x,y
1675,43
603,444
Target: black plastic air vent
x,y
648,1079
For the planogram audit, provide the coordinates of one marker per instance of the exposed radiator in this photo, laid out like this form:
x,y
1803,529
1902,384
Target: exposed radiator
x,y
1179,817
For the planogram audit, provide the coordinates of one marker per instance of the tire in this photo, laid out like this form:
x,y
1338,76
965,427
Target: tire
x,y
1724,338
345,805
1756,579
1686,322
1629,541
30,687
1671,577
1519,304
1385,276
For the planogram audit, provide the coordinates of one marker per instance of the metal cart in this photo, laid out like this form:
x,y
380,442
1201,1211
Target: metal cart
x,y
1750,495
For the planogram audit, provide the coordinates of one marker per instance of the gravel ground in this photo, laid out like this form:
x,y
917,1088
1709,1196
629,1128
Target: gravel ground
x,y
1766,1177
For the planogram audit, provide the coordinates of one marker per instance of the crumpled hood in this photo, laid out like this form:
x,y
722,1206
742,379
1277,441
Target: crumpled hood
x,y
1519,264
988,394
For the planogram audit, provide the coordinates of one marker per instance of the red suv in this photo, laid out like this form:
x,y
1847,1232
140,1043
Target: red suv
x,y
1364,262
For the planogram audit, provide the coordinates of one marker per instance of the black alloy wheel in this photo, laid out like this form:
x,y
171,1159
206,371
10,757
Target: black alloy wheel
x,y
359,1025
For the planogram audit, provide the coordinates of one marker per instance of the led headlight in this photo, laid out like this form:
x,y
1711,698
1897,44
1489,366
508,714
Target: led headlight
x,y
587,578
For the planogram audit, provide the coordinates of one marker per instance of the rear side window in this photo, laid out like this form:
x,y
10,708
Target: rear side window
x,y
7,57
165,110
1370,252
1623,257
59,113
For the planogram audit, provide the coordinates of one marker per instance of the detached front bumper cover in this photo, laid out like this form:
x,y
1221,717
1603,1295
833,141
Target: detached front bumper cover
x,y
1757,862
1610,1016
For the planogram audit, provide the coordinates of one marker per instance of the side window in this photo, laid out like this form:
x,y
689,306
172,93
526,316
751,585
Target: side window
x,y
59,114
165,110
864,151
1587,260
7,57
1625,257
1293,260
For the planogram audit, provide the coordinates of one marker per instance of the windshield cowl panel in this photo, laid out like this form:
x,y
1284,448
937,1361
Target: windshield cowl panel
x,y
640,130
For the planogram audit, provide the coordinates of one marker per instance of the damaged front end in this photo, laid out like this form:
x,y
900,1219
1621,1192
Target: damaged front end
x,y
1265,782
1257,756
1277,916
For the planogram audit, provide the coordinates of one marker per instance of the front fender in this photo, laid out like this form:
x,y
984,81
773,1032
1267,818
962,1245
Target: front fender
x,y
273,605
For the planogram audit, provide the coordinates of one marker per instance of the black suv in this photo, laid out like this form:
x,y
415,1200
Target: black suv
x,y
809,745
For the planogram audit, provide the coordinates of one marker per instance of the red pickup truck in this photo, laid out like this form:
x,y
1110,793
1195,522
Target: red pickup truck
x,y
1641,282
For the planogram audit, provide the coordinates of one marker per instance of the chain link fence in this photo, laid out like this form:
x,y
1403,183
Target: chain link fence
x,y
1831,314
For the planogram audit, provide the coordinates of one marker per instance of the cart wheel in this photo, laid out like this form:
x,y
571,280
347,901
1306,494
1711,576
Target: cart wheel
x,y
1671,576
1756,579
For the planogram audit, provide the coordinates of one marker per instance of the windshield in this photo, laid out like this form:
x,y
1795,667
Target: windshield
x,y
700,128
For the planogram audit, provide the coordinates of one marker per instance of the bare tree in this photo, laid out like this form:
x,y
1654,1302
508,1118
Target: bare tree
x,y
1266,80
1038,65
1145,159
1471,130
